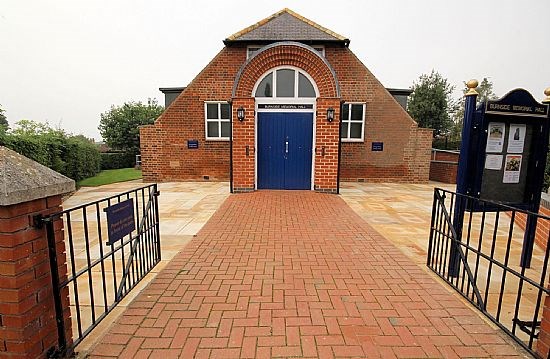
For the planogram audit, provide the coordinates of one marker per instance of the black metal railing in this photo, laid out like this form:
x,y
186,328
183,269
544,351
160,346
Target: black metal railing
x,y
479,256
100,273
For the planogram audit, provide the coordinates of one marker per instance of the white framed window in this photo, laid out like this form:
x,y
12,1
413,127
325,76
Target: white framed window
x,y
320,49
353,122
285,82
217,116
251,50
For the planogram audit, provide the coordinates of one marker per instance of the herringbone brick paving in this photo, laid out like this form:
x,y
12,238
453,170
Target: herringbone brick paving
x,y
297,274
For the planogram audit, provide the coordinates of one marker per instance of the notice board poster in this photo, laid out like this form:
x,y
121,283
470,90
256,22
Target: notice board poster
x,y
512,169
516,138
495,137
506,155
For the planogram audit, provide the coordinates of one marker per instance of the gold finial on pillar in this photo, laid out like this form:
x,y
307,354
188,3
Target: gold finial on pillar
x,y
472,85
547,93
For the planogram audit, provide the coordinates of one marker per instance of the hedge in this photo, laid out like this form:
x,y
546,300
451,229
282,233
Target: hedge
x,y
68,155
116,160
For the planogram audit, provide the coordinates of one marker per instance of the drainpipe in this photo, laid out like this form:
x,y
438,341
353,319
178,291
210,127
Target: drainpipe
x,y
339,149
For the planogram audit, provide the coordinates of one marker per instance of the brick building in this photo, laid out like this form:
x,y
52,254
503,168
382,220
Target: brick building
x,y
268,112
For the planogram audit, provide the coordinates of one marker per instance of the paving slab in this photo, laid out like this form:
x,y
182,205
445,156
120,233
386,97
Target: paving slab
x,y
297,274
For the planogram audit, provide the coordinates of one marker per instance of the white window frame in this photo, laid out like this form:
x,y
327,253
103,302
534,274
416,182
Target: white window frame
x,y
219,120
349,121
258,47
320,49
297,71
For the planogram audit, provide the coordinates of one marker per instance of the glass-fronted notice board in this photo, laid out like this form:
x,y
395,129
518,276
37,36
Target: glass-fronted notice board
x,y
507,155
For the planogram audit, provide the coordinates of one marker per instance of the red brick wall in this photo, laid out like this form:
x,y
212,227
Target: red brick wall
x,y
27,315
438,155
406,148
444,172
243,136
443,166
326,162
543,226
165,156
543,342
406,152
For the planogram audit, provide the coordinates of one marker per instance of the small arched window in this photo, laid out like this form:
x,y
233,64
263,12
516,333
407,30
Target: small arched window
x,y
285,83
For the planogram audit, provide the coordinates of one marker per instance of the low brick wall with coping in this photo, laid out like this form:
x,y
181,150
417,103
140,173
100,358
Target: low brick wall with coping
x,y
444,165
28,327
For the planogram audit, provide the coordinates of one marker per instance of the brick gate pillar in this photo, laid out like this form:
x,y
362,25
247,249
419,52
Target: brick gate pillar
x,y
543,342
28,326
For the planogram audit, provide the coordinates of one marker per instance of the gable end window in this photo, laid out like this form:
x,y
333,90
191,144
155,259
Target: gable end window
x,y
217,120
353,122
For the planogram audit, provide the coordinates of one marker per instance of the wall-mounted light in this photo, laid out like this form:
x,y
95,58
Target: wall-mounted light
x,y
240,114
330,114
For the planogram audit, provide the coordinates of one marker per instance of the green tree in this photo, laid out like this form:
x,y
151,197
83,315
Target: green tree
x,y
119,126
431,103
485,91
3,120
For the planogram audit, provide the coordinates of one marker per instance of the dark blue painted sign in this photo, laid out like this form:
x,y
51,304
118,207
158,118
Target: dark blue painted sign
x,y
377,146
518,103
120,220
192,144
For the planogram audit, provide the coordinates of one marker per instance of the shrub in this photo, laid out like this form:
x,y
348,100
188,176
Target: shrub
x,y
116,160
73,156
449,144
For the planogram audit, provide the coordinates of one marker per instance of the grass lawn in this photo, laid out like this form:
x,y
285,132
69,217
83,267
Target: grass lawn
x,y
111,176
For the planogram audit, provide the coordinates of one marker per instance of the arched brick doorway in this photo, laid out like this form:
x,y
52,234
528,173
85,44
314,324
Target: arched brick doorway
x,y
249,160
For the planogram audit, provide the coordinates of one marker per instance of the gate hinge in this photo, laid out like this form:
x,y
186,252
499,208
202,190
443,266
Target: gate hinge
x,y
38,221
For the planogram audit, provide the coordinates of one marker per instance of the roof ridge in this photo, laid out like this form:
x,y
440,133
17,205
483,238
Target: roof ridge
x,y
277,14
314,24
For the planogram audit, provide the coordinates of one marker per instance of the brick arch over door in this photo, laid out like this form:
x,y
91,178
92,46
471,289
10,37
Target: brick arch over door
x,y
287,54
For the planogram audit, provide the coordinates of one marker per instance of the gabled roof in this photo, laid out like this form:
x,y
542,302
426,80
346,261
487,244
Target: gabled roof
x,y
286,25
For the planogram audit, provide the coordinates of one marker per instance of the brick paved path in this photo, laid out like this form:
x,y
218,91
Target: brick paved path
x,y
296,274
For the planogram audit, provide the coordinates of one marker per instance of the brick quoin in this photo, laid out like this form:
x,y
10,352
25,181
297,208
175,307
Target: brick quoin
x,y
406,154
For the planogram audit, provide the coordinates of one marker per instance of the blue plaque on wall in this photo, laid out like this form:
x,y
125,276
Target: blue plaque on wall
x,y
377,146
192,144
120,220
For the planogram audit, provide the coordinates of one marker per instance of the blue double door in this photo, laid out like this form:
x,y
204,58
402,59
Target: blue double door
x,y
284,150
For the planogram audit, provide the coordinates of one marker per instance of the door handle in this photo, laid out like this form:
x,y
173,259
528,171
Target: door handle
x,y
286,147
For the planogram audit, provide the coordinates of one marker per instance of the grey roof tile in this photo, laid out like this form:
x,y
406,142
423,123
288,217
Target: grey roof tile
x,y
286,25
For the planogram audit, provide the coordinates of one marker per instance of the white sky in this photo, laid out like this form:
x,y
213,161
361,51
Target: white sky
x,y
67,61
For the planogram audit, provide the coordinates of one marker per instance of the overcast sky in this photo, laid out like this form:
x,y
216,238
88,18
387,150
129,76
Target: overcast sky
x,y
67,61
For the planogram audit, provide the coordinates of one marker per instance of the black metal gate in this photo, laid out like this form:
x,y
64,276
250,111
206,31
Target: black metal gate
x,y
489,274
100,274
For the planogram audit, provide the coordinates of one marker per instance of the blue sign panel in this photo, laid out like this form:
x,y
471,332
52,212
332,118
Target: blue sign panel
x,y
377,146
192,144
120,220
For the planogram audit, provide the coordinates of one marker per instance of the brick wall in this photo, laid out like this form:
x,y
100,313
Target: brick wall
x,y
326,161
165,156
406,147
543,342
543,225
444,166
243,136
27,315
406,154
